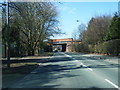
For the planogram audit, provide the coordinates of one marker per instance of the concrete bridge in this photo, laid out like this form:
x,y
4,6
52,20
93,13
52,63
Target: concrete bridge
x,y
64,45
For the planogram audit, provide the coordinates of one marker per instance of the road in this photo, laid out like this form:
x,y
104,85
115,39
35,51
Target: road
x,y
72,70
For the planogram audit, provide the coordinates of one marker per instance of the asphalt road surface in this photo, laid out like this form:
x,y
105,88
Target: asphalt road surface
x,y
72,70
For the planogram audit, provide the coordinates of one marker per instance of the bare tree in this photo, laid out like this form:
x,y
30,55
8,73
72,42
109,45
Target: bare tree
x,y
97,29
81,29
31,23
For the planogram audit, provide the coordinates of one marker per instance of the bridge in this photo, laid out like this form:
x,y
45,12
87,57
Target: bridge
x,y
64,45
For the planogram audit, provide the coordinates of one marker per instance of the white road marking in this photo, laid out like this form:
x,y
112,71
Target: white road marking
x,y
73,58
112,84
90,69
68,55
87,67
81,63
39,64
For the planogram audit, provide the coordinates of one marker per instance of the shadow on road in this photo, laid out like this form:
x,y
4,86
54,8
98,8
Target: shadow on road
x,y
55,68
46,77
26,60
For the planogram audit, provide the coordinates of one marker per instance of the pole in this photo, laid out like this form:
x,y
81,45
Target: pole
x,y
8,35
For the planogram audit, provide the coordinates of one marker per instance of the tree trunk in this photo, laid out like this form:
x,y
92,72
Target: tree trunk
x,y
30,52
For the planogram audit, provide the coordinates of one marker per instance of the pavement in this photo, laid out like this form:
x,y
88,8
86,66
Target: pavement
x,y
113,59
73,70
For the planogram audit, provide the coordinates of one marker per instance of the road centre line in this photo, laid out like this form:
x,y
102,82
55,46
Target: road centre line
x,y
74,58
68,55
81,63
90,69
87,67
112,84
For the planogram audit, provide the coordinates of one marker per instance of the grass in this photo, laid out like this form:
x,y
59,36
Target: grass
x,y
21,68
17,72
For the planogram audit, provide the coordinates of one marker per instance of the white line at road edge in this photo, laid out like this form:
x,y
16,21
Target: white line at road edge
x,y
112,84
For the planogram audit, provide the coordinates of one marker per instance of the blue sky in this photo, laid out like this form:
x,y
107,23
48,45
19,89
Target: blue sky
x,y
70,12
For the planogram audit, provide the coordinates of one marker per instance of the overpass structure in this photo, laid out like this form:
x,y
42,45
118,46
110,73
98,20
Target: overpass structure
x,y
64,45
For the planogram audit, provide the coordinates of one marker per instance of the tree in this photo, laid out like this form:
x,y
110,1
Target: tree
x,y
114,28
75,35
31,24
78,32
96,30
81,29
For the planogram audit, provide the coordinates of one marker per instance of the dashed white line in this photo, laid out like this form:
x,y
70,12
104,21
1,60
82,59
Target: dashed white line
x,y
112,84
81,63
73,58
67,55
39,64
87,67
90,69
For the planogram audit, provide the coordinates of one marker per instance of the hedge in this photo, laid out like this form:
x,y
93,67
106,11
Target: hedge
x,y
111,47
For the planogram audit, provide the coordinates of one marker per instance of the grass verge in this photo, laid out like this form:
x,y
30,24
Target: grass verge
x,y
17,72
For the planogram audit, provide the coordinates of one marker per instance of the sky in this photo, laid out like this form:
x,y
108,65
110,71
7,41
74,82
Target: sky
x,y
70,12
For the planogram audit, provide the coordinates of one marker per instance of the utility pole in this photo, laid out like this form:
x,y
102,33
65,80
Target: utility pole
x,y
8,34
